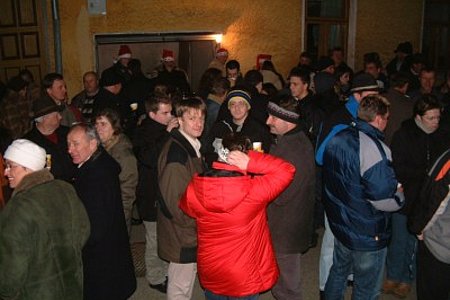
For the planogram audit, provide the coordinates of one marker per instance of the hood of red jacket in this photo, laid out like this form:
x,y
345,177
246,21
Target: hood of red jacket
x,y
221,194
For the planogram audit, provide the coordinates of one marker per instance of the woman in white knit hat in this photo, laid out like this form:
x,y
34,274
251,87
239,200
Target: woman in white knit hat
x,y
43,229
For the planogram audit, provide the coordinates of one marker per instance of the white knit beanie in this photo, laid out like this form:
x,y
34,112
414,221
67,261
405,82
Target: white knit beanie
x,y
26,154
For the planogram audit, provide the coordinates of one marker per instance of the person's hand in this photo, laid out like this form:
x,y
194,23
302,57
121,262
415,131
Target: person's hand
x,y
172,124
238,159
420,237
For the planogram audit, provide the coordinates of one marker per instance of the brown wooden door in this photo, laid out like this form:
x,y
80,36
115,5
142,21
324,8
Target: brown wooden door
x,y
21,43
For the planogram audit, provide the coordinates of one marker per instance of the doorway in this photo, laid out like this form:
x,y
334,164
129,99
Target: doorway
x,y
193,51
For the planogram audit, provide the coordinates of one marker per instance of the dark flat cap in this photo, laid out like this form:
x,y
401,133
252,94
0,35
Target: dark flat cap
x,y
45,105
364,82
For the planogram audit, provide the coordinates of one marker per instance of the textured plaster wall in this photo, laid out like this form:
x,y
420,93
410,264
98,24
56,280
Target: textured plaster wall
x,y
383,24
249,27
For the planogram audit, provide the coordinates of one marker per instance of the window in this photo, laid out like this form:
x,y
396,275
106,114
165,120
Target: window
x,y
326,26
436,35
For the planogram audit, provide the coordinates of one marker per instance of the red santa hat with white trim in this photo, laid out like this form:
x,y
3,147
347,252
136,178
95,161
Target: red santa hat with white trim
x,y
124,52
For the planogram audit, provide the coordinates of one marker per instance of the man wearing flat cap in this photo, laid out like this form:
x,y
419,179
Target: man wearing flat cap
x,y
49,134
290,215
43,229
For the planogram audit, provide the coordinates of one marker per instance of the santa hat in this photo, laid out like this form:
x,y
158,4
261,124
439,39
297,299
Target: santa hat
x,y
221,52
124,52
27,154
168,55
261,58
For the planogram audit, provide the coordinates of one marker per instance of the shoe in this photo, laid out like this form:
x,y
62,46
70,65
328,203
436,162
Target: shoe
x,y
136,221
402,290
389,286
161,287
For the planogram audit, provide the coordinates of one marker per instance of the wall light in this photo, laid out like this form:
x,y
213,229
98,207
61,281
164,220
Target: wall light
x,y
218,38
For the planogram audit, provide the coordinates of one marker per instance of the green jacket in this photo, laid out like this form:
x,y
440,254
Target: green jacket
x,y
42,231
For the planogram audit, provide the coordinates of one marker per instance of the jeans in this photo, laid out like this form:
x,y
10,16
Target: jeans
x,y
155,267
367,267
401,257
211,296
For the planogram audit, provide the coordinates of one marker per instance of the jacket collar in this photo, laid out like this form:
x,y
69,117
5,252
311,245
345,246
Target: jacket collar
x,y
33,179
223,166
183,141
352,106
369,130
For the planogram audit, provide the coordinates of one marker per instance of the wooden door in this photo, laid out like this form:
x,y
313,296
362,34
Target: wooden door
x,y
21,43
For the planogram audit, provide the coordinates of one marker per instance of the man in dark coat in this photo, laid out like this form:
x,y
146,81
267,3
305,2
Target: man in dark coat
x,y
107,263
52,136
291,214
148,141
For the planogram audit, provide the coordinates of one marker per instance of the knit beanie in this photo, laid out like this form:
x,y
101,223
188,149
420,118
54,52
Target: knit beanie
x,y
282,113
236,95
26,154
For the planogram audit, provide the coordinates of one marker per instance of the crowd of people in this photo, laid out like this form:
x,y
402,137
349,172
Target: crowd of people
x,y
231,179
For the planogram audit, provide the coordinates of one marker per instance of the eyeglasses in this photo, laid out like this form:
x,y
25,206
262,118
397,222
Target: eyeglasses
x,y
431,118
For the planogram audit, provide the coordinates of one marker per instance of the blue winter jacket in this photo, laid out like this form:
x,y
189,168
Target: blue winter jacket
x,y
359,187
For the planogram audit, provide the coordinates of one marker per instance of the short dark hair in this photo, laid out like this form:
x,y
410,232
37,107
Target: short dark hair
x,y
153,101
190,103
233,64
113,117
220,87
236,141
301,73
48,80
425,103
399,79
371,106
90,73
253,77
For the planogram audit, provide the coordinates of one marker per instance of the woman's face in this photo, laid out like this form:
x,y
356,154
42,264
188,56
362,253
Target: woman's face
x,y
345,78
431,119
104,128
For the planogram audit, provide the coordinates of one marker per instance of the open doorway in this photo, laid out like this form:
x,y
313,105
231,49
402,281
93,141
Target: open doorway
x,y
193,51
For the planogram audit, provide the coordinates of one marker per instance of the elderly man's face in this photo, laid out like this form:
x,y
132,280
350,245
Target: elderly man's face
x,y
90,83
80,146
278,126
52,121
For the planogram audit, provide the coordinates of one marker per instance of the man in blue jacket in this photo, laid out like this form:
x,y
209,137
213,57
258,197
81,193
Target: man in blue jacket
x,y
360,189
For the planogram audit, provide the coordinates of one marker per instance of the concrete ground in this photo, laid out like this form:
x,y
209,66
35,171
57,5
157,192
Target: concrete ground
x,y
310,275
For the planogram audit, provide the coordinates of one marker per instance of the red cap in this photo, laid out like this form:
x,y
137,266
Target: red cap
x,y
168,55
261,58
124,52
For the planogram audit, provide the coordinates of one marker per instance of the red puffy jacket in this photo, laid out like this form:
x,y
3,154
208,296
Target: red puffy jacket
x,y
235,255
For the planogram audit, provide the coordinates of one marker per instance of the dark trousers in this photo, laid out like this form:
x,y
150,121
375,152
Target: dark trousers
x,y
433,276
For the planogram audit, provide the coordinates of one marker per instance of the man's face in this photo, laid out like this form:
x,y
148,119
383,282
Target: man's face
x,y
90,83
382,122
337,57
169,65
232,74
192,122
15,173
427,80
80,146
372,69
52,121
239,110
58,90
278,126
305,61
297,86
163,115
124,61
222,58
